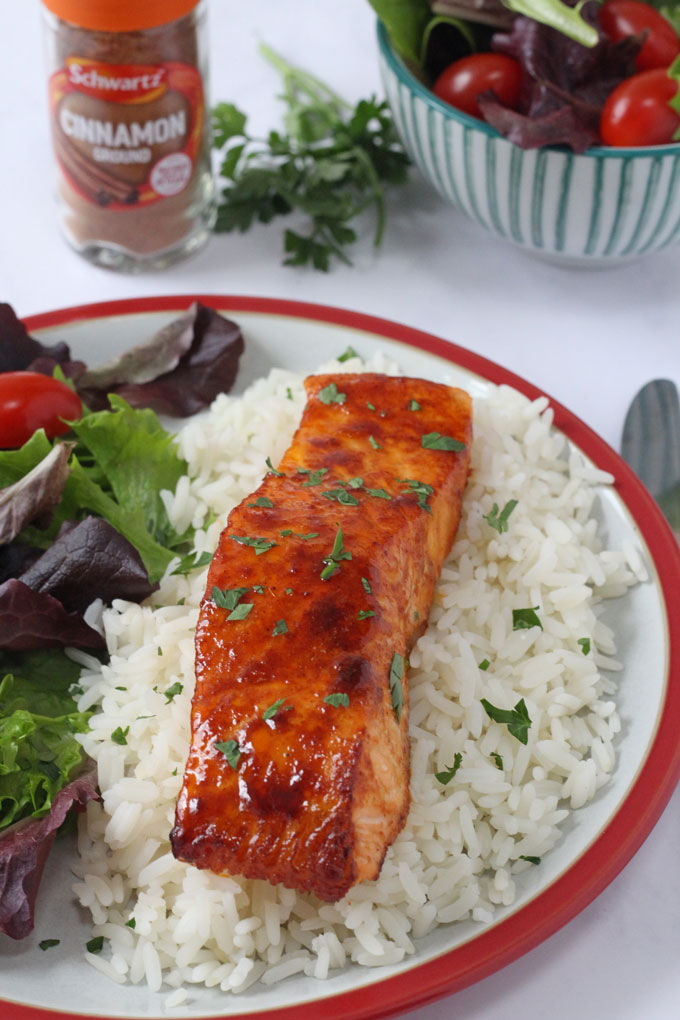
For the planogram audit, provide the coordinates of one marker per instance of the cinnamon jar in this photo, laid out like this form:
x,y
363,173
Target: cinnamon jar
x,y
131,128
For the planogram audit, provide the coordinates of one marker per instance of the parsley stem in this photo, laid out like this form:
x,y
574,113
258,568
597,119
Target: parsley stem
x,y
305,81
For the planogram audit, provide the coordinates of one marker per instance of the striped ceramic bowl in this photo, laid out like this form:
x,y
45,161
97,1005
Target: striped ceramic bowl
x,y
606,206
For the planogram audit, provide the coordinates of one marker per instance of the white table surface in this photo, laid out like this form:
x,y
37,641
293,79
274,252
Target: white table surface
x,y
588,338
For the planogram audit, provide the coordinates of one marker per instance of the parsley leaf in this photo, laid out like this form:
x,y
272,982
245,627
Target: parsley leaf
x,y
262,501
338,553
330,395
227,598
315,477
347,354
524,619
516,719
484,665
192,562
95,945
421,489
584,642
230,750
529,858
414,406
341,496
497,760
332,162
396,684
374,443
366,586
272,469
119,735
497,520
173,690
270,712
280,627
48,943
340,700
241,611
260,545
364,614
435,441
377,493
449,772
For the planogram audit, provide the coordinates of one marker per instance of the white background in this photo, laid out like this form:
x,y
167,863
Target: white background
x,y
589,338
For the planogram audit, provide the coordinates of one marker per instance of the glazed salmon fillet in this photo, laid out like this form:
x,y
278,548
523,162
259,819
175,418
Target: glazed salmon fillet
x,y
298,770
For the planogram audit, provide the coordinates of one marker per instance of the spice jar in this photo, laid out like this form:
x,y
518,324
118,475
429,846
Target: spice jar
x,y
131,128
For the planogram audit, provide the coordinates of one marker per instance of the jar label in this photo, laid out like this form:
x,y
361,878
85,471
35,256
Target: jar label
x,y
127,134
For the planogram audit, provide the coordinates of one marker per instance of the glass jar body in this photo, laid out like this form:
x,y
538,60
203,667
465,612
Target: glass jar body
x,y
131,135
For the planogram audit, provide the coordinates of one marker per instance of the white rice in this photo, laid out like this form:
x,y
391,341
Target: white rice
x,y
459,854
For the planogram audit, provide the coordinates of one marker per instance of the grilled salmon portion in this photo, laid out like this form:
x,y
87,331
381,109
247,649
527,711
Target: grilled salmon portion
x,y
298,770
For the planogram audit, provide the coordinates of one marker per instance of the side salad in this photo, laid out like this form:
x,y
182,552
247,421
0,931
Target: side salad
x,y
83,461
548,72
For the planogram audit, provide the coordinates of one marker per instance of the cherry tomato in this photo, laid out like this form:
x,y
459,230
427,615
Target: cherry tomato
x,y
462,81
30,401
637,111
623,18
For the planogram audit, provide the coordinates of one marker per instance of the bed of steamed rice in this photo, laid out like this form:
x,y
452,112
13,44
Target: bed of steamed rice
x,y
461,850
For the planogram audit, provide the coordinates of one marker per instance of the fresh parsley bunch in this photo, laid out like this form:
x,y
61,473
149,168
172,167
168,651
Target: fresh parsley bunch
x,y
330,163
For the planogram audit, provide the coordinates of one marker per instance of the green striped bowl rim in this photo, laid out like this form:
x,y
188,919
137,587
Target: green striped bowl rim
x,y
397,66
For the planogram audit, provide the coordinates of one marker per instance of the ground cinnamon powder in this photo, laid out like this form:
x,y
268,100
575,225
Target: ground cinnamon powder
x,y
130,131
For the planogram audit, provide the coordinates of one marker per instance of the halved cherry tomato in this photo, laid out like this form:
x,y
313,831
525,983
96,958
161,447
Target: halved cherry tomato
x,y
637,111
462,81
623,18
30,401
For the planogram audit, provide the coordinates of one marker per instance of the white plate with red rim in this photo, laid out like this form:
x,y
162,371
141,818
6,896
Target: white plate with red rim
x,y
601,837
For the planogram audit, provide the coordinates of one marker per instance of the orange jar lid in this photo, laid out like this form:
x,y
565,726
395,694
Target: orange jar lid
x,y
119,15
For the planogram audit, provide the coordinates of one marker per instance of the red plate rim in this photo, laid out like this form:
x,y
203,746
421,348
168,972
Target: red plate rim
x,y
657,776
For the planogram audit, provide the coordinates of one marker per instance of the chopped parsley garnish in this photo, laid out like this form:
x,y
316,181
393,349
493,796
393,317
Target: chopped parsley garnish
x,y
341,496
449,771
268,462
377,493
330,395
230,750
289,591
173,691
270,712
338,553
436,441
131,923
516,719
227,598
497,760
159,650
365,613
340,700
259,589
262,501
280,627
315,477
260,545
119,735
370,406
584,642
48,943
241,611
497,520
524,619
289,393
484,665
421,489
396,684
414,406
306,538
374,443
354,483
531,860
286,533
366,586
347,354
95,945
